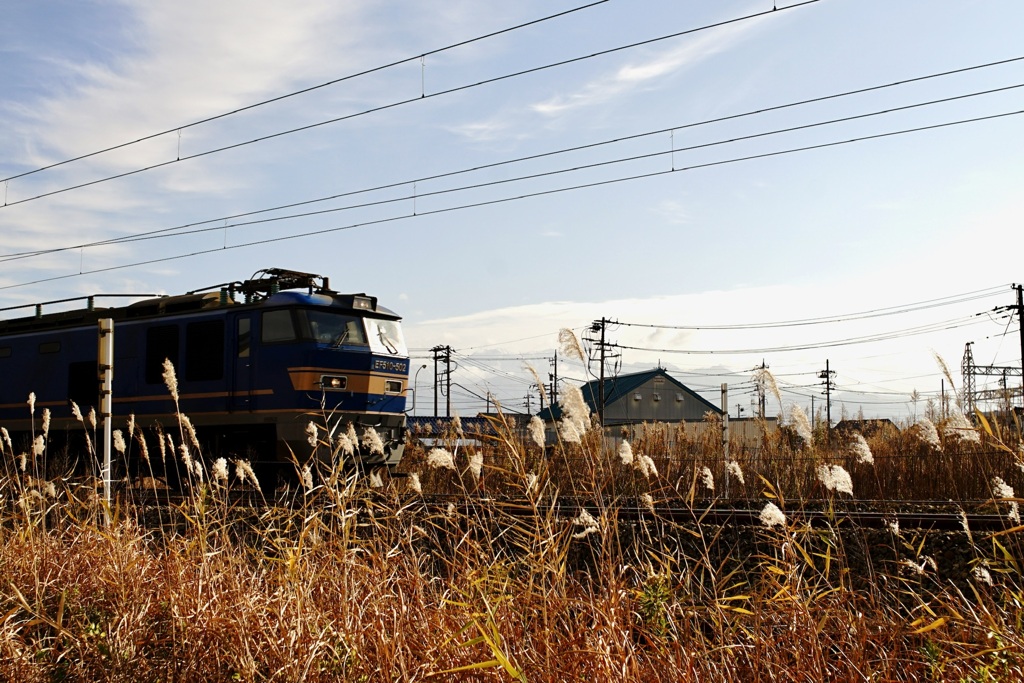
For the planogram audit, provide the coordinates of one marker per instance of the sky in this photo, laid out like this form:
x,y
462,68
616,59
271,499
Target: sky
x,y
495,173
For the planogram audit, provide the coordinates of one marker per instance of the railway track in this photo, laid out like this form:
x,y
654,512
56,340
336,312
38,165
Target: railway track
x,y
922,515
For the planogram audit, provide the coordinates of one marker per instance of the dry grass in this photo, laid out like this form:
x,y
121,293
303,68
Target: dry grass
x,y
365,584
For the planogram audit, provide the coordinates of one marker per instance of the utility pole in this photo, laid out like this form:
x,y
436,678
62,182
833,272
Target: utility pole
x,y
443,353
601,326
725,436
827,375
554,380
1020,325
761,394
600,385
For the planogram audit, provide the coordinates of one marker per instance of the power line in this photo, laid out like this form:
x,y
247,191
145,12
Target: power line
x,y
539,193
398,103
184,229
887,336
874,313
309,89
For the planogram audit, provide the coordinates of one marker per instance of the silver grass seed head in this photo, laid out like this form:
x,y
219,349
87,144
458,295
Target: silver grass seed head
x,y
536,430
626,453
798,418
736,471
344,445
372,441
220,471
771,516
476,464
707,479
570,344
861,450
170,379
439,458
835,478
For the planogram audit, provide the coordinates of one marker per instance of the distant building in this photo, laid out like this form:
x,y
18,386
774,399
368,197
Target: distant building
x,y
633,399
867,427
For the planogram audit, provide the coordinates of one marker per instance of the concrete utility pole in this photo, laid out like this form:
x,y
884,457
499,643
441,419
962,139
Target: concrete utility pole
x,y
725,436
827,375
601,326
600,385
554,380
443,353
1020,325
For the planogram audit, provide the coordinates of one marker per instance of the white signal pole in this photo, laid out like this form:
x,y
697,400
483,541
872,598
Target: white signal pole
x,y
105,366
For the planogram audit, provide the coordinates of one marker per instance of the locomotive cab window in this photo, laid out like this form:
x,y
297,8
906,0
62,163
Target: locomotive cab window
x,y
278,326
386,337
244,337
204,351
161,344
83,383
49,347
335,329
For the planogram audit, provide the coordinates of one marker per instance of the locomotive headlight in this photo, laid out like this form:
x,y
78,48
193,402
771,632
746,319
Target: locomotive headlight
x,y
362,303
333,382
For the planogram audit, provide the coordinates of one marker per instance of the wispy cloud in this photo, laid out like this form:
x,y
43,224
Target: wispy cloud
x,y
672,212
627,78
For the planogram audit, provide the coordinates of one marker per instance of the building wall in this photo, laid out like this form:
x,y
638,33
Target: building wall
x,y
657,400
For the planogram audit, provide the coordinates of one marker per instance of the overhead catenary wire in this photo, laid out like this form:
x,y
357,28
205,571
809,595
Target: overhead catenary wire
x,y
221,221
392,105
303,91
539,193
886,336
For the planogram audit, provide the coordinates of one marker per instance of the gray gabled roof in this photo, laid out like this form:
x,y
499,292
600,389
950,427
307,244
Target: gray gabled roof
x,y
616,388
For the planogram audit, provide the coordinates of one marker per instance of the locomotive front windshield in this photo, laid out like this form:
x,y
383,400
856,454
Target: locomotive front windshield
x,y
334,328
338,329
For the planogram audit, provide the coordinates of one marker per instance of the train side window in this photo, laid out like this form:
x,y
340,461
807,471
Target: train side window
x,y
244,337
161,343
204,350
83,383
5,351
49,347
278,326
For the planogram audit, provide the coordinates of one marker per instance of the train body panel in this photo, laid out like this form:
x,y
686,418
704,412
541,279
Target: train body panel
x,y
251,375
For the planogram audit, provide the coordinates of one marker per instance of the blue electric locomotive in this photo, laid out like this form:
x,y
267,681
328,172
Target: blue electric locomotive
x,y
256,362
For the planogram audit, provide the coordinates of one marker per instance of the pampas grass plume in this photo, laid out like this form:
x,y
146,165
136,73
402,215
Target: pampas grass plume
x,y
771,516
835,478
170,379
440,458
536,430
626,453
801,424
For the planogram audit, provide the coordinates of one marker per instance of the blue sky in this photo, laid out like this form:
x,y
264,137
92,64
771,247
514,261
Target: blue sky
x,y
844,229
